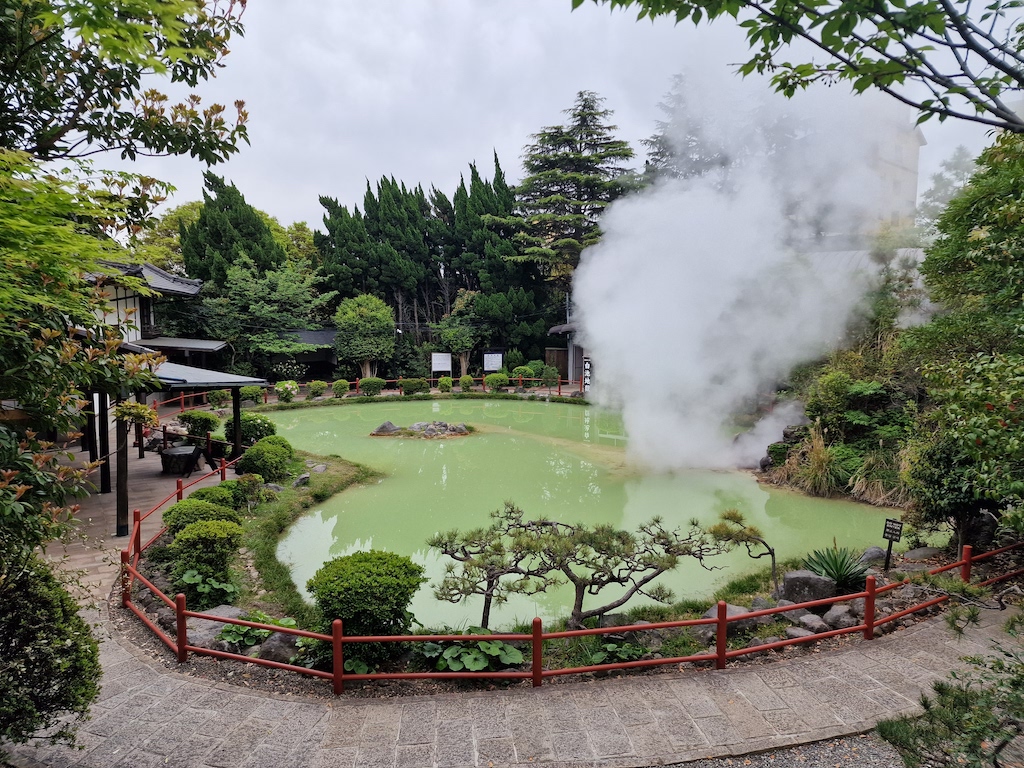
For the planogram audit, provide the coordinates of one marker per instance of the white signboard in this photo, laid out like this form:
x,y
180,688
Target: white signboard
x,y
492,361
441,361
586,374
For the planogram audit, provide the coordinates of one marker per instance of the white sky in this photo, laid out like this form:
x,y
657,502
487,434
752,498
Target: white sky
x,y
340,92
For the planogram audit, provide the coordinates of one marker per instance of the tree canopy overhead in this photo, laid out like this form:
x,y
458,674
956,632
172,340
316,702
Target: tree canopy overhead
x,y
75,77
945,58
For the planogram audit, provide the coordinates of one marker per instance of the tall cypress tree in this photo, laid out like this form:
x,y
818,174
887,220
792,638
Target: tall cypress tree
x,y
573,172
683,145
227,228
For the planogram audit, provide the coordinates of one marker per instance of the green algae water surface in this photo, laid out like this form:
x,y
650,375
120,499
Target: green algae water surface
x,y
565,462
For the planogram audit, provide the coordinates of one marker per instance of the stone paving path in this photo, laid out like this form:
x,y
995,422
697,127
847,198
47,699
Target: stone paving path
x,y
147,716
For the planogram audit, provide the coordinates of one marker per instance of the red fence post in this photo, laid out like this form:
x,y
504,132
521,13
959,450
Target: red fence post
x,y
181,399
266,396
223,470
722,630
126,588
538,653
137,528
181,489
869,608
339,658
965,569
357,387
182,627
559,386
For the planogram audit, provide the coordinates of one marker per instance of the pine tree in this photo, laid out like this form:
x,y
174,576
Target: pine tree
x,y
573,172
226,229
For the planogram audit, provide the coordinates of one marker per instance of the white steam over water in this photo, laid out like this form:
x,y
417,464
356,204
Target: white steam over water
x,y
699,299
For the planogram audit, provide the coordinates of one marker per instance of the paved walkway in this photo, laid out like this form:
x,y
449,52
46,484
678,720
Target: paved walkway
x,y
149,716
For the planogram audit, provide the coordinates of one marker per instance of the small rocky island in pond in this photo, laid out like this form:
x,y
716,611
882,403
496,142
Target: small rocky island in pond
x,y
428,429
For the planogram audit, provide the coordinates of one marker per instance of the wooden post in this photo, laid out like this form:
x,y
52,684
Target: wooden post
x,y
140,440
538,653
103,417
126,588
722,630
965,569
339,659
181,401
869,608
182,627
121,434
223,470
164,430
137,530
236,415
181,489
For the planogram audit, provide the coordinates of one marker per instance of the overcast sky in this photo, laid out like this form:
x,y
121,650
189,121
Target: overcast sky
x,y
340,92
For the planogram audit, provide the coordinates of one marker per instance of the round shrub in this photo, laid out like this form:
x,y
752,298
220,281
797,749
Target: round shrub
x,y
192,510
279,441
371,386
255,426
199,422
522,370
340,388
253,393
202,553
495,381
537,366
49,661
465,383
269,461
370,592
444,384
286,390
316,388
218,398
415,386
216,494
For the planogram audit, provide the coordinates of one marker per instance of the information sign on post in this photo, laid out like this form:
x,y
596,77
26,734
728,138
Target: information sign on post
x,y
586,373
893,532
492,361
441,362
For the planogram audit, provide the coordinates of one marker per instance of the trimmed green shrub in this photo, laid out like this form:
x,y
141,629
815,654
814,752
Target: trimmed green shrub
x,y
444,384
340,388
537,366
495,381
255,426
270,461
286,390
216,494
253,393
549,376
218,398
371,386
281,442
49,661
198,423
778,453
370,592
415,386
316,388
465,383
192,510
202,555
522,370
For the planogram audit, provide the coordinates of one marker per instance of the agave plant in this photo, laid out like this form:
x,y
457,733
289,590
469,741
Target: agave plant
x,y
842,565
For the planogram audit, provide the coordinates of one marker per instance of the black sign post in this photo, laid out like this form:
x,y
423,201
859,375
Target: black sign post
x,y
893,532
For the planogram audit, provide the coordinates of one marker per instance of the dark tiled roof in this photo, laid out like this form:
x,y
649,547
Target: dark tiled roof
x,y
319,337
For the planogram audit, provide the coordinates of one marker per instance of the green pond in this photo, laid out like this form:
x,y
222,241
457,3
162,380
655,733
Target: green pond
x,y
565,462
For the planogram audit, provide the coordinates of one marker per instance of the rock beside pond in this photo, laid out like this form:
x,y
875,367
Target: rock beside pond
x,y
302,479
805,586
872,555
387,428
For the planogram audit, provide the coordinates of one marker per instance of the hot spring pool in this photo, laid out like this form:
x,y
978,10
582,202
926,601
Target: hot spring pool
x,y
565,462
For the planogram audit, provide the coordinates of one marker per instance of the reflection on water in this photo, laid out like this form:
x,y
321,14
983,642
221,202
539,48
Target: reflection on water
x,y
560,461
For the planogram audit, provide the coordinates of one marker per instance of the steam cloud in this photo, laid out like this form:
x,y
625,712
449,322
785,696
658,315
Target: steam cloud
x,y
705,292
